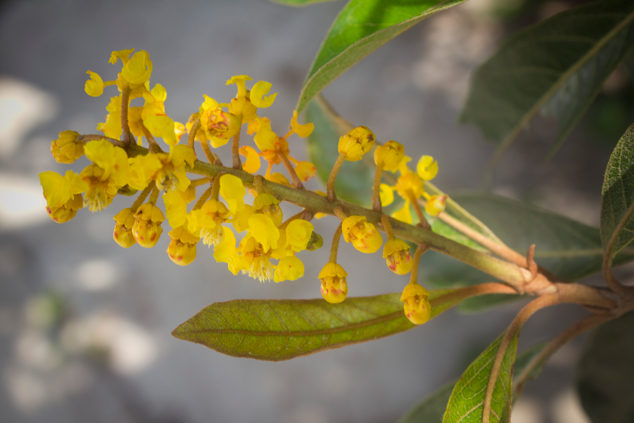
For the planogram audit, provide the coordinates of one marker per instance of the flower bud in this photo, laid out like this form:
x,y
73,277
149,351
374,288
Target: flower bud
x,y
269,206
436,205
362,234
182,248
397,256
356,143
417,307
66,211
334,288
147,225
66,149
389,155
122,234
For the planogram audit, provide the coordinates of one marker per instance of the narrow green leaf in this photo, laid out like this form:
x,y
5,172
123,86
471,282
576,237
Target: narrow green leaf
x,y
362,27
618,193
569,249
432,408
554,68
605,373
354,180
300,2
467,399
276,330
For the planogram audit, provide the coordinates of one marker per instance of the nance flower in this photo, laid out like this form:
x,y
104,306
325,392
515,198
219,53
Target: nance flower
x,y
216,125
417,308
207,221
362,234
334,287
246,103
182,247
154,118
167,170
63,194
67,148
108,173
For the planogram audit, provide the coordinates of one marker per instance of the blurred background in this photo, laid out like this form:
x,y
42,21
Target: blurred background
x,y
85,325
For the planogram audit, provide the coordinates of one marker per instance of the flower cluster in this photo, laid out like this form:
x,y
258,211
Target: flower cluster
x,y
268,244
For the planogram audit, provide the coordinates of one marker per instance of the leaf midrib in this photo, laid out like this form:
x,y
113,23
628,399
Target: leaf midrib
x,y
339,329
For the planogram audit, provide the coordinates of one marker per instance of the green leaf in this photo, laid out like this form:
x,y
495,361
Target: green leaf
x,y
300,2
432,408
554,68
354,180
618,193
467,399
605,373
276,330
569,249
362,27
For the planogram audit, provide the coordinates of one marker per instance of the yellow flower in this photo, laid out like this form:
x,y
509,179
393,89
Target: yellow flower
x,y
269,205
386,194
288,269
404,214
389,155
138,69
361,233
135,122
94,86
217,125
182,248
397,256
427,168
305,170
435,204
240,81
67,149
122,233
264,231
252,163
226,252
112,126
108,173
416,307
154,117
147,225
175,208
113,160
301,130
124,55
256,260
241,219
334,287
298,234
259,90
233,191
356,143
172,175
265,138
142,170
208,221
63,194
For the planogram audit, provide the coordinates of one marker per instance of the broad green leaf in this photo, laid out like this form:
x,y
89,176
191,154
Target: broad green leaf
x,y
605,373
277,330
467,399
618,193
362,27
354,180
432,408
300,2
554,68
569,249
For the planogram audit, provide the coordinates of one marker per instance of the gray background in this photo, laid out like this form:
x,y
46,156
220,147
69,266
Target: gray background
x,y
85,325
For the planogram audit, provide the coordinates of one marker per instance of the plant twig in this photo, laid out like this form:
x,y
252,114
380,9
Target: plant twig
x,y
376,188
290,169
191,137
420,250
141,198
208,154
125,100
334,248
